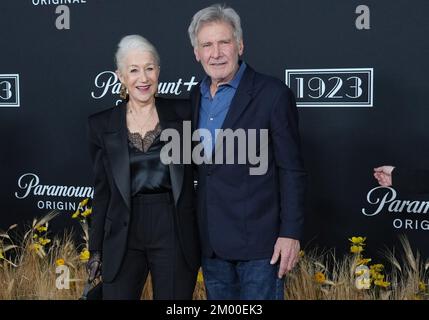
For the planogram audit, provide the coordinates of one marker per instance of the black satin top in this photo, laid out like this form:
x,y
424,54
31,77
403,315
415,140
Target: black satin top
x,y
148,173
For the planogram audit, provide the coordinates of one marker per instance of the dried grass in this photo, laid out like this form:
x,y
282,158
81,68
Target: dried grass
x,y
30,273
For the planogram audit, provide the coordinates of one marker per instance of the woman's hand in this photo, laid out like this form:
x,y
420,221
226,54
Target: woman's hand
x,y
383,175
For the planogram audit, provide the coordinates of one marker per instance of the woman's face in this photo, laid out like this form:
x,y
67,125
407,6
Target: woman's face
x,y
139,75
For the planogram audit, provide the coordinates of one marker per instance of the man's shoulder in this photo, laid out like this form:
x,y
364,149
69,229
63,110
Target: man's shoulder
x,y
269,83
172,101
266,78
175,108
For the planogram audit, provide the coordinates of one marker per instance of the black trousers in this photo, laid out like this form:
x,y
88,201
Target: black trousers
x,y
153,247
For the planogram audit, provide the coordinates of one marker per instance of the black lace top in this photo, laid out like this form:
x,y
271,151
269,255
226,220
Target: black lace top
x,y
148,173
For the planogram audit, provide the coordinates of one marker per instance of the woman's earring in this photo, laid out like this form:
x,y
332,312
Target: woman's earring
x,y
123,92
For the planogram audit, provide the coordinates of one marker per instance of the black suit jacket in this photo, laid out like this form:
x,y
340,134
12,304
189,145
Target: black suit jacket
x,y
112,203
240,215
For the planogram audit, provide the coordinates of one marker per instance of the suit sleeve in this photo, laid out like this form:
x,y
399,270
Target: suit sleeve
x,y
411,180
101,190
287,155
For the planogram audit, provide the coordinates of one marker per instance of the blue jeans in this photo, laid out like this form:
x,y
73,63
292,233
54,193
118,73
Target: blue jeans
x,y
242,280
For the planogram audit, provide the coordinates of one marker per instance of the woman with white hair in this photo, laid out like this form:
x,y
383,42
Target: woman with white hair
x,y
143,215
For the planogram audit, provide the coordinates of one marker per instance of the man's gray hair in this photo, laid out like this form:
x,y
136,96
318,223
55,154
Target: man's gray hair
x,y
215,13
134,42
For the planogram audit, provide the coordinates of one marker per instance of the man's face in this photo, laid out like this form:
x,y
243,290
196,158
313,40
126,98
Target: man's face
x,y
218,51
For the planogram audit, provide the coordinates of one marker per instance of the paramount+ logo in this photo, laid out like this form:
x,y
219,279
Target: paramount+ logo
x,y
51,196
404,214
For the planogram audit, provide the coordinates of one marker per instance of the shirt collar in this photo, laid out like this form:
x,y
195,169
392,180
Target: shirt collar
x,y
205,84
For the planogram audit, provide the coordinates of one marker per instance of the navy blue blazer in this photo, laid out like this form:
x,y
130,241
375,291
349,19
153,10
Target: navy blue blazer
x,y
240,216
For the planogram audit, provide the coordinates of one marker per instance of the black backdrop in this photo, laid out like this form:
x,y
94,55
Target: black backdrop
x,y
62,73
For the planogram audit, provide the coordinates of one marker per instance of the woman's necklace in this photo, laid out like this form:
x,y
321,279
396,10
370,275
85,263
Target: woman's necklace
x,y
144,123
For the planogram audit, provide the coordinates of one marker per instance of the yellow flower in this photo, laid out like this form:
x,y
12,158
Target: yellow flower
x,y
377,276
84,255
60,262
200,277
359,241
76,214
44,241
36,247
83,202
42,228
301,253
422,286
35,236
1,254
377,267
363,261
382,283
356,249
87,212
319,277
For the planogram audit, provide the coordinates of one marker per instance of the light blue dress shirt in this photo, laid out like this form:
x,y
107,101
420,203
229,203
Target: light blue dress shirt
x,y
213,110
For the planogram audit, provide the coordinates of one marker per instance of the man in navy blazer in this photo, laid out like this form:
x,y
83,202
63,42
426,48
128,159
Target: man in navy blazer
x,y
250,225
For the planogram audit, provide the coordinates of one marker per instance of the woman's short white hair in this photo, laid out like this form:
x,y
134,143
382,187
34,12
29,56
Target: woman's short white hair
x,y
215,13
133,42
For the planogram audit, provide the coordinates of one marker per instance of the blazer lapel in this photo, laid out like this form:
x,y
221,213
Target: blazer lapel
x,y
241,99
176,170
176,176
196,108
116,143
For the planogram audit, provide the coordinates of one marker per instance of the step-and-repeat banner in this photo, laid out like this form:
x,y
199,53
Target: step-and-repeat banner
x,y
359,70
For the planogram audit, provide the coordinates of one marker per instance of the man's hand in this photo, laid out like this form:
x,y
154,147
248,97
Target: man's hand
x,y
383,175
287,249
93,266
